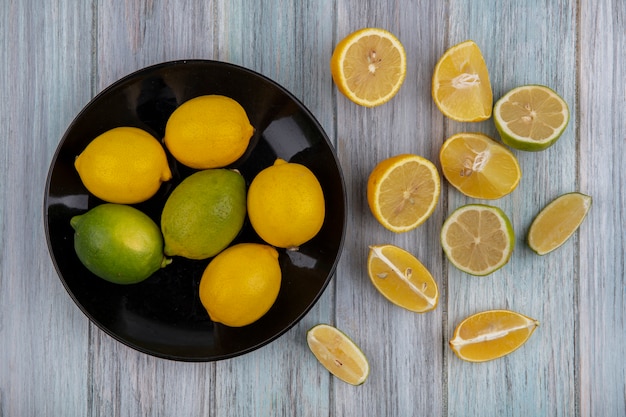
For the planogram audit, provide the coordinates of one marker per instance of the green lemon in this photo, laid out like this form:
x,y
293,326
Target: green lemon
x,y
204,213
118,243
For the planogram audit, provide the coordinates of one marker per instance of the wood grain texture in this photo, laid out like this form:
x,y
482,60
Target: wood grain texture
x,y
57,55
129,36
519,46
41,93
405,349
602,174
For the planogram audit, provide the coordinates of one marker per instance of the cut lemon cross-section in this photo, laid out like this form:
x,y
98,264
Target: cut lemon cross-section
x,y
338,353
461,87
478,166
491,334
557,221
402,279
531,117
478,239
369,66
402,191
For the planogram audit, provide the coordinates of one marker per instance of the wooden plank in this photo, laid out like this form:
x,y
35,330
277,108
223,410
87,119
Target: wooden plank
x,y
602,148
58,55
284,41
132,35
522,44
404,348
44,335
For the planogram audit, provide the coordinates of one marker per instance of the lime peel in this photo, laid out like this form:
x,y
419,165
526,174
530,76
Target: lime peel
x,y
557,222
525,108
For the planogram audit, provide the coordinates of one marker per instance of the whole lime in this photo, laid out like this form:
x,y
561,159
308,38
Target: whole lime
x,y
204,213
118,243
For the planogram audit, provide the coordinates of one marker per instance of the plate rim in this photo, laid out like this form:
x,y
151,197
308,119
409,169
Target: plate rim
x,y
169,356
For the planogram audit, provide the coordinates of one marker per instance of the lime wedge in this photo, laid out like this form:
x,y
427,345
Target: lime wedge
x,y
557,222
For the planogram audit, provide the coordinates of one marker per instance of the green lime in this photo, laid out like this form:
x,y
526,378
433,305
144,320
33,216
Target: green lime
x,y
118,243
478,239
204,213
557,222
530,117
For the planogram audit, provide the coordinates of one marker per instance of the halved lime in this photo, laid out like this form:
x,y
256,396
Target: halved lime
x,y
530,117
478,239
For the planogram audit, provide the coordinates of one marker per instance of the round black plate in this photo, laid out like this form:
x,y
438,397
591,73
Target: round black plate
x,y
162,316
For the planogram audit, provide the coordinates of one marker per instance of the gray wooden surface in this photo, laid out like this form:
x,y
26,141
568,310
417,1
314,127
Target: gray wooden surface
x,y
56,55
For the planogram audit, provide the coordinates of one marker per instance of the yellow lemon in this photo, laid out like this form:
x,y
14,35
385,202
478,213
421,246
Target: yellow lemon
x,y
402,279
402,191
124,165
369,66
491,334
338,353
460,86
210,131
478,166
241,284
286,204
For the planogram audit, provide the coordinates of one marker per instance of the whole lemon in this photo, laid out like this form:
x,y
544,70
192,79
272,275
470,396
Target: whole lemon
x,y
124,165
241,284
118,243
286,204
204,213
209,131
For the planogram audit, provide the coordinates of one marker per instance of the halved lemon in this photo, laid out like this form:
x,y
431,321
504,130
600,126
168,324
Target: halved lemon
x,y
402,191
478,239
369,66
531,117
402,279
338,353
478,166
557,222
491,334
461,87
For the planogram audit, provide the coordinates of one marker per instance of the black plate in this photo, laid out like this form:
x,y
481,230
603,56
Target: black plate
x,y
162,316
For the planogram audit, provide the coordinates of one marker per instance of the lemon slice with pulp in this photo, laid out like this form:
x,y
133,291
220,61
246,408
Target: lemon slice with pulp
x,y
478,166
491,334
369,66
402,191
402,279
338,353
460,86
